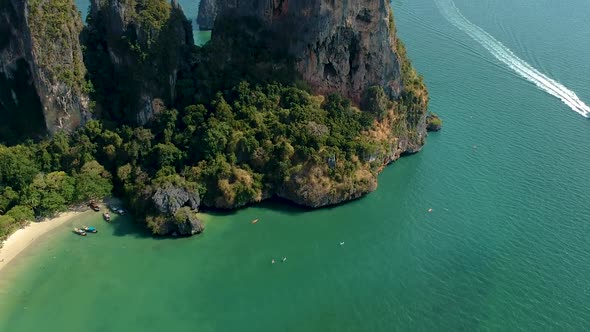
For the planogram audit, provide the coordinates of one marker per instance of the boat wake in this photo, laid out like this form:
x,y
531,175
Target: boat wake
x,y
505,55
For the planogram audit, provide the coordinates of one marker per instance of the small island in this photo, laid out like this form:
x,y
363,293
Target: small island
x,y
128,106
433,122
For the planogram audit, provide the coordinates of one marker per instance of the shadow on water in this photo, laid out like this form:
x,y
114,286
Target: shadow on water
x,y
276,204
128,226
272,204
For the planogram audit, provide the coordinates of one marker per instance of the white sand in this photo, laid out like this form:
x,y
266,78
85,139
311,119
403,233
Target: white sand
x,y
22,238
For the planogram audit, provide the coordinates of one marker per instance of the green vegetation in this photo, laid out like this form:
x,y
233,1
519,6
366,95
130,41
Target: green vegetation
x,y
45,178
152,14
433,122
414,100
376,102
55,28
245,143
149,49
242,129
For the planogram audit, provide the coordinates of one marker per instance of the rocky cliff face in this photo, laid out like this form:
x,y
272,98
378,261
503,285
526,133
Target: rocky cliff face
x,y
340,46
41,67
347,47
174,205
207,14
141,46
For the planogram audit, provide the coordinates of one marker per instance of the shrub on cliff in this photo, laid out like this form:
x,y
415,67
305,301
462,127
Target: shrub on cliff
x,y
55,26
433,122
376,102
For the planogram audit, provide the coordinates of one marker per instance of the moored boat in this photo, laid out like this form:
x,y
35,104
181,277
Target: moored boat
x,y
90,229
79,231
94,206
106,216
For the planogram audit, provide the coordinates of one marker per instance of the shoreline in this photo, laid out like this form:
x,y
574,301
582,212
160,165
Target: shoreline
x,y
24,237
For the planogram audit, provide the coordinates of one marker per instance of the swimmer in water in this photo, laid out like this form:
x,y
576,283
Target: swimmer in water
x,y
284,259
273,261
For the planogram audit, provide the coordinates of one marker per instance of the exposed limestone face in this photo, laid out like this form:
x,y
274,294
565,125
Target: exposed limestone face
x,y
172,207
347,47
145,46
341,46
433,122
207,14
41,68
169,199
312,186
187,222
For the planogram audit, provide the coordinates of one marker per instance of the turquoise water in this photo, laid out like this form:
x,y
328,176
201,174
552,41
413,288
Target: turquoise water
x,y
506,246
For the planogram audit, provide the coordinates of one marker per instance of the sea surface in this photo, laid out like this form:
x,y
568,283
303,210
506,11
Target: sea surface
x,y
505,248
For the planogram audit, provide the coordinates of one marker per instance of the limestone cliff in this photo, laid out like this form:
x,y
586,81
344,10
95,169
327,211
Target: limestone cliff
x,y
207,14
349,47
340,46
170,206
41,68
134,52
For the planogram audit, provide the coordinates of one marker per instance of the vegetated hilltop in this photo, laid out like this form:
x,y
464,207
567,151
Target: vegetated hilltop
x,y
348,48
265,109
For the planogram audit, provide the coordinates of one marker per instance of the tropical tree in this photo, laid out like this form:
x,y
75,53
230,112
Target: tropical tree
x,y
92,182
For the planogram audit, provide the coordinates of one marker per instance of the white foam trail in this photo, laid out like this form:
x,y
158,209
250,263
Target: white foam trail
x,y
504,54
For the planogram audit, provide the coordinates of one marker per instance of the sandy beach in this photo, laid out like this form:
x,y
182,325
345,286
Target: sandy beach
x,y
22,238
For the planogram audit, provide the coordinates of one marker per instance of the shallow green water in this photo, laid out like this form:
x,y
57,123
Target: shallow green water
x,y
506,246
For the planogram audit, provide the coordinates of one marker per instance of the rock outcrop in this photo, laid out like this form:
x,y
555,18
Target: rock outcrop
x,y
433,122
342,46
187,222
313,187
171,205
169,199
207,14
141,47
346,47
41,68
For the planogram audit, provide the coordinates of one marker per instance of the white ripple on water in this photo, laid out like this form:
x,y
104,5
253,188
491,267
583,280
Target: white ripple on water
x,y
505,55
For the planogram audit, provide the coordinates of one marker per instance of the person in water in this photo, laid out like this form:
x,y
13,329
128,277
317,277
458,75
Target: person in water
x,y
273,261
284,259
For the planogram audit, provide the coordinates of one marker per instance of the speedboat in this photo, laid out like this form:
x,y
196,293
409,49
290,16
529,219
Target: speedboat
x,y
79,232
